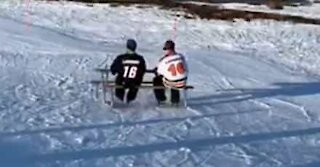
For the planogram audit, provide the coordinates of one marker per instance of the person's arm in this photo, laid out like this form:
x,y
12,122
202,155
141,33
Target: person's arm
x,y
116,66
154,70
185,64
160,68
143,68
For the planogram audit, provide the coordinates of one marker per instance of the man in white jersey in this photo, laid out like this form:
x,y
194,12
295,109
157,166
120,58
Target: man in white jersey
x,y
172,73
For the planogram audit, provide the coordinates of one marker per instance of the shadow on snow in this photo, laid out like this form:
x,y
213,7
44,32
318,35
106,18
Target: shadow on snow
x,y
120,124
239,95
311,164
234,95
193,144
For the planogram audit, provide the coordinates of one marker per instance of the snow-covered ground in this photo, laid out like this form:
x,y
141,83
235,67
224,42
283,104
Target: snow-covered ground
x,y
256,101
293,45
309,11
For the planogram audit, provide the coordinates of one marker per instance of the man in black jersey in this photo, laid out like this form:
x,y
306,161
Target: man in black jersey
x,y
130,68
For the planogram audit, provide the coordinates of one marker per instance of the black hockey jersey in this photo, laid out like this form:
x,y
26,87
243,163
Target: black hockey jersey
x,y
130,67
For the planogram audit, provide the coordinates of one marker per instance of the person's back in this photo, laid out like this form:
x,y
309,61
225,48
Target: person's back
x,y
172,73
173,68
130,68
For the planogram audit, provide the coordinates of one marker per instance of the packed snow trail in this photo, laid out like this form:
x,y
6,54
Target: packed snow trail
x,y
243,112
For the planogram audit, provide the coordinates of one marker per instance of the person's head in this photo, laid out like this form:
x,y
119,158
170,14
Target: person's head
x,y
131,45
169,47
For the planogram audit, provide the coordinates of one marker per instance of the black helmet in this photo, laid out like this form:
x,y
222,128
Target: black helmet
x,y
131,44
169,45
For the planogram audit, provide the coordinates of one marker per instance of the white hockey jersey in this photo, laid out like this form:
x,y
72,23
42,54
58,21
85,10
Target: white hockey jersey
x,y
174,71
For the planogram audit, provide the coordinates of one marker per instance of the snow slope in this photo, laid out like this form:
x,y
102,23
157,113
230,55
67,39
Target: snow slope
x,y
308,10
247,109
292,45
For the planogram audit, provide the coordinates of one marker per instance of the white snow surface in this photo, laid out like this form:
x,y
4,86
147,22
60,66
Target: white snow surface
x,y
308,10
311,10
255,103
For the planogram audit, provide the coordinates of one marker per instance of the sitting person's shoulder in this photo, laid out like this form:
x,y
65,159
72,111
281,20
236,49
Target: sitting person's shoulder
x,y
179,54
139,56
121,55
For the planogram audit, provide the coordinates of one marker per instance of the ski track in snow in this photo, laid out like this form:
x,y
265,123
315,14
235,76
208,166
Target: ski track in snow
x,y
243,112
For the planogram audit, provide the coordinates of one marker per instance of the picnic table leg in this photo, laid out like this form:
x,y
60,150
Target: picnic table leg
x,y
107,89
104,84
96,92
185,98
111,97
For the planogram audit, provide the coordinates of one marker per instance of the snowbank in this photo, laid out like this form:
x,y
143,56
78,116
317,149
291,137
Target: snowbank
x,y
294,45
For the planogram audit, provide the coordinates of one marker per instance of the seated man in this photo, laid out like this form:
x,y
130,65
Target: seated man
x,y
130,68
171,72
